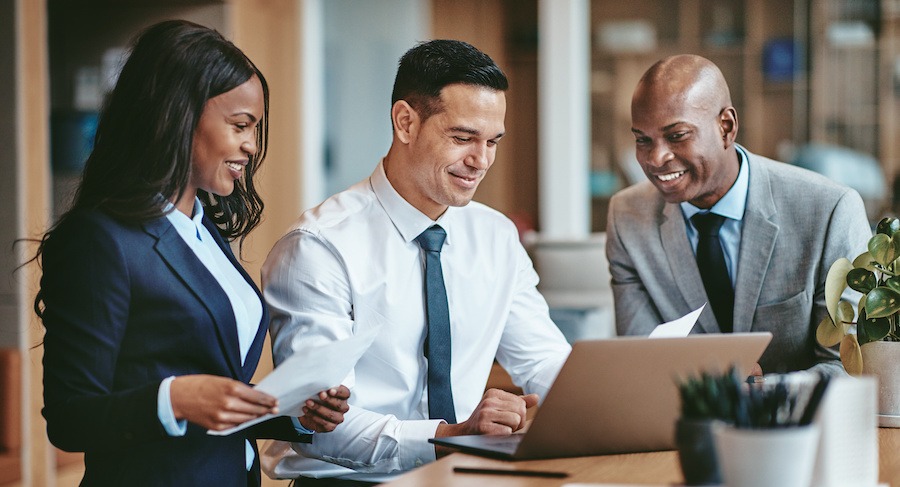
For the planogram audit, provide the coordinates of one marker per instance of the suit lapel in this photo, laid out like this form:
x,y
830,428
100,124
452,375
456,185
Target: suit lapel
x,y
758,236
255,351
203,285
683,265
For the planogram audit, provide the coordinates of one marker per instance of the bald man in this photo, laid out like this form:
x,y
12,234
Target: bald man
x,y
781,227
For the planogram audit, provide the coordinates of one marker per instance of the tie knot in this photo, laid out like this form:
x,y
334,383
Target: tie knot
x,y
432,240
708,223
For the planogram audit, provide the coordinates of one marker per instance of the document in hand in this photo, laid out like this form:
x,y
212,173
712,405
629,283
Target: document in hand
x,y
678,328
308,371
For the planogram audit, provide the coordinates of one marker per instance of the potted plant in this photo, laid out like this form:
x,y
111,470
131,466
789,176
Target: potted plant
x,y
868,338
759,434
704,400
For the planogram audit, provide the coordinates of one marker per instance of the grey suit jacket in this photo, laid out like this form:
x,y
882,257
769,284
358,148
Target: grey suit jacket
x,y
796,224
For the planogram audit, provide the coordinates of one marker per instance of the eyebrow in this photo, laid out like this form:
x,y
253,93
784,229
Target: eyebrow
x,y
664,129
248,114
472,131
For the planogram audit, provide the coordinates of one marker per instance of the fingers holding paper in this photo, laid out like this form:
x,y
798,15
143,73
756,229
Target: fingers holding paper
x,y
324,413
218,403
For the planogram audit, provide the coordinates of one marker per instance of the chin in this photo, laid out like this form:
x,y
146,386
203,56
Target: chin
x,y
463,201
674,198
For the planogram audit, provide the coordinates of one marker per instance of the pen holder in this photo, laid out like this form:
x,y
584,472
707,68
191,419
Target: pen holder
x,y
773,457
696,451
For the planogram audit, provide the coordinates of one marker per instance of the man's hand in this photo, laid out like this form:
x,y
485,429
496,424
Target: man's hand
x,y
498,413
756,370
218,403
324,414
756,374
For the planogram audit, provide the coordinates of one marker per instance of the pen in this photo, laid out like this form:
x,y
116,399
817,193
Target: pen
x,y
508,471
814,400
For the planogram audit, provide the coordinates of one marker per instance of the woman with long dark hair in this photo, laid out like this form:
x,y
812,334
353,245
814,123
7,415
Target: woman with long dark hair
x,y
153,329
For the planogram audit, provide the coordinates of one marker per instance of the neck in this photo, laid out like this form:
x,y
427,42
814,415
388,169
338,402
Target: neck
x,y
185,204
398,169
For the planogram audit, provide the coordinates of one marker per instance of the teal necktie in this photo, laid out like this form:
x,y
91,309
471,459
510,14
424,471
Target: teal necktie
x,y
437,342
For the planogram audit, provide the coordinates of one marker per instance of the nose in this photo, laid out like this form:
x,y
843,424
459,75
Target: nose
x,y
480,157
249,145
659,155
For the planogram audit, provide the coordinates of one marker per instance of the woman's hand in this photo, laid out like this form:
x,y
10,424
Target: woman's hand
x,y
325,413
218,403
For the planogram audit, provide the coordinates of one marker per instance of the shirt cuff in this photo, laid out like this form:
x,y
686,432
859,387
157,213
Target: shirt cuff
x,y
299,427
164,410
412,438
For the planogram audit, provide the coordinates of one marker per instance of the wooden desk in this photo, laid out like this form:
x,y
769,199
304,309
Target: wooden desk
x,y
657,468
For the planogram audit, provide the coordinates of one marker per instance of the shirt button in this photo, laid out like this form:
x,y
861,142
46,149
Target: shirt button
x,y
419,462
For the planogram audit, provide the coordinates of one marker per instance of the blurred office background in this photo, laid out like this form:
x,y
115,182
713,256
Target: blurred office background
x,y
815,83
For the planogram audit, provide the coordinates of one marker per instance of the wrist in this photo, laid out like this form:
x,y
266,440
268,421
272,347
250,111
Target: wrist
x,y
445,429
174,396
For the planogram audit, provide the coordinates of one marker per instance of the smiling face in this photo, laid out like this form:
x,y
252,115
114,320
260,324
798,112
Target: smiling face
x,y
446,156
684,129
224,141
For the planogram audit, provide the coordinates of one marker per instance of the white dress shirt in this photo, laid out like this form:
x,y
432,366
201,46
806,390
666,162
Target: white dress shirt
x,y
352,262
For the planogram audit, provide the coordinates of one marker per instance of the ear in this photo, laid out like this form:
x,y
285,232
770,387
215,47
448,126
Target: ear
x,y
405,121
728,126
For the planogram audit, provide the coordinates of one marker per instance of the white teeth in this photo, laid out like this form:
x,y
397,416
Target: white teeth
x,y
235,166
670,176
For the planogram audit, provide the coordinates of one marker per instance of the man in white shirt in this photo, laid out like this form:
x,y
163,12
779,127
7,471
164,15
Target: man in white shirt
x,y
355,262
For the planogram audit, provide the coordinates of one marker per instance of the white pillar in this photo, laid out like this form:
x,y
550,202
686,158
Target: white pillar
x,y
564,109
312,100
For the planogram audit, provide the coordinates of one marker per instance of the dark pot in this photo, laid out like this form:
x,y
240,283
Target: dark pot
x,y
697,452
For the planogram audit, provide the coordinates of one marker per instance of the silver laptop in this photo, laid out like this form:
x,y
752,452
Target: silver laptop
x,y
617,395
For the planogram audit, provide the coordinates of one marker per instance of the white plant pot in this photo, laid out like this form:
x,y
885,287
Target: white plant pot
x,y
882,360
780,457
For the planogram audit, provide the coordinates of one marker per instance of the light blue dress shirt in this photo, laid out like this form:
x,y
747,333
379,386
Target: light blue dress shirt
x,y
731,206
245,304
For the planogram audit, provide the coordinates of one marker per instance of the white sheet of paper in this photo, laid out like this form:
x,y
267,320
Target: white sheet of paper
x,y
678,328
308,371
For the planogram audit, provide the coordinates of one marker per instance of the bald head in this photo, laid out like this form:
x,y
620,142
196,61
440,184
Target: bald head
x,y
684,128
687,79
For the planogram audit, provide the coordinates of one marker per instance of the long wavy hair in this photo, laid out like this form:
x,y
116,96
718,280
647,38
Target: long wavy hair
x,y
142,150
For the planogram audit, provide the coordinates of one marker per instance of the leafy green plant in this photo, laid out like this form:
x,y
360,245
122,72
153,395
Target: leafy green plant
x,y
876,274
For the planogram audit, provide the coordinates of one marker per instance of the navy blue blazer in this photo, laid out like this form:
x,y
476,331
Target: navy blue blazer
x,y
125,307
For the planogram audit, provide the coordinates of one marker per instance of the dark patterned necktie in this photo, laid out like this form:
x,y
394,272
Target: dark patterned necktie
x,y
437,343
711,262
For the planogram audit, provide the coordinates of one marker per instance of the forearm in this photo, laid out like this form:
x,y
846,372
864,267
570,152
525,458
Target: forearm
x,y
831,367
108,421
847,236
634,308
532,349
278,428
375,443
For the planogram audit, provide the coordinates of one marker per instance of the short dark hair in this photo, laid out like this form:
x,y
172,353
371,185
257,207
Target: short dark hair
x,y
146,129
430,66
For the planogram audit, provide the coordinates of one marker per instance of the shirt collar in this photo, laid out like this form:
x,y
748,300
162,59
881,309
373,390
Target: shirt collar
x,y
408,220
187,227
734,202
